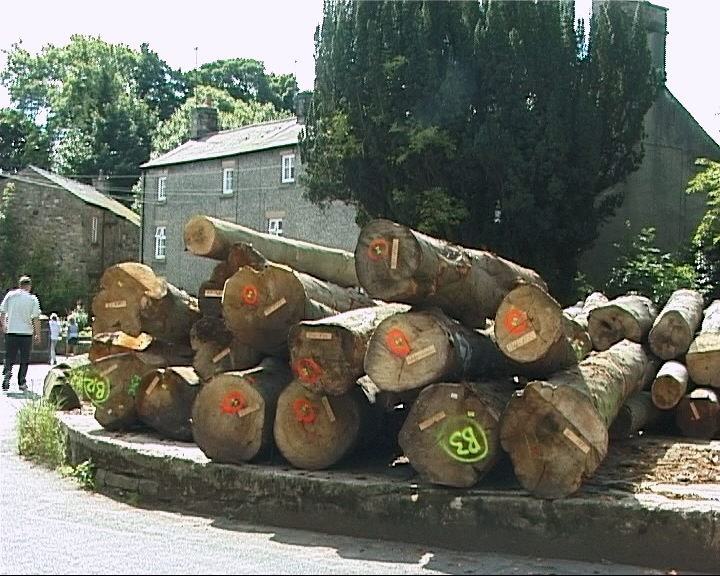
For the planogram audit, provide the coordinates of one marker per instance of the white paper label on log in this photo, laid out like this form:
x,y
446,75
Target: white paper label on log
x,y
454,395
220,355
318,335
434,419
116,304
420,354
394,253
152,385
328,408
213,293
524,339
108,370
575,439
694,410
274,307
248,410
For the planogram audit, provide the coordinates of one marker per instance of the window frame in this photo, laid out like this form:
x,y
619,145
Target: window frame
x,y
162,189
94,224
160,242
287,164
228,172
276,230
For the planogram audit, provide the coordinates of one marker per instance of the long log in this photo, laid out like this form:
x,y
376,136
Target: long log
x,y
261,305
327,355
397,264
674,328
556,430
133,299
698,414
637,414
165,398
416,348
234,412
315,432
670,385
212,238
703,356
451,433
630,316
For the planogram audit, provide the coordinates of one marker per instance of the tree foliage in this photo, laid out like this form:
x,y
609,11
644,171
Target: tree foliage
x,y
22,142
440,114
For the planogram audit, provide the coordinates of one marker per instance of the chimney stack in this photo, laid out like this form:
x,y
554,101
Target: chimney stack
x,y
204,121
302,105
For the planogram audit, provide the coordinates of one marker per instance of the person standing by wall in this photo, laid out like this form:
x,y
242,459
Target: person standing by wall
x,y
73,335
54,326
20,322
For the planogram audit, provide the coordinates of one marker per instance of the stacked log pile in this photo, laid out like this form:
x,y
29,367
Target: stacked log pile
x,y
453,357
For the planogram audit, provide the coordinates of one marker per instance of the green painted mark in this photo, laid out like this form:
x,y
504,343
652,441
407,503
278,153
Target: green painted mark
x,y
134,384
96,388
464,440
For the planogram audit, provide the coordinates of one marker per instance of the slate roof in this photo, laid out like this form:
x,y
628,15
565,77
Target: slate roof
x,y
274,134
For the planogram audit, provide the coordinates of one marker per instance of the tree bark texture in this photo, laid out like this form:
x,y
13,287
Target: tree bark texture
x,y
212,237
703,356
165,398
416,348
556,430
397,264
670,385
327,355
451,434
233,414
636,414
630,316
698,414
674,328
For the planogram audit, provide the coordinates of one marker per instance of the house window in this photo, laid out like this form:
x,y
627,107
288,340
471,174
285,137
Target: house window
x,y
228,180
162,184
275,226
94,230
288,168
160,239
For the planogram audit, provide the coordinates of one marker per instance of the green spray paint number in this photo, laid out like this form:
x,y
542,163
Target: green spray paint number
x,y
96,388
464,440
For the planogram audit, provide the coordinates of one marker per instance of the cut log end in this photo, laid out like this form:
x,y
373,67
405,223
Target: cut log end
x,y
199,235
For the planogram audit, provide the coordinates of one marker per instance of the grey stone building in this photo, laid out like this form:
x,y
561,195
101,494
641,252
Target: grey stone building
x,y
249,175
85,230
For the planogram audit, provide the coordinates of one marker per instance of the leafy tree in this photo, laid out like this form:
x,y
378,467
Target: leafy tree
x,y
439,114
12,247
22,142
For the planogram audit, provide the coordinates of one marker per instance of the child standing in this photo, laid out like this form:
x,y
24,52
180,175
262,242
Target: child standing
x,y
73,335
54,326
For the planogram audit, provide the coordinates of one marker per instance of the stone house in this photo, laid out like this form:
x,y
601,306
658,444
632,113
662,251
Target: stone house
x,y
85,230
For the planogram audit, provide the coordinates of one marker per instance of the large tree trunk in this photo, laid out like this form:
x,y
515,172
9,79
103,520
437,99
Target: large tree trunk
x,y
703,356
327,355
212,237
110,343
630,316
451,433
261,305
412,349
636,414
165,398
133,299
397,264
674,328
233,414
556,431
532,329
698,414
670,385
314,432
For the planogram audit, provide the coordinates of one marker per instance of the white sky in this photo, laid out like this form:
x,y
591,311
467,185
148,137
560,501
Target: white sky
x,y
280,33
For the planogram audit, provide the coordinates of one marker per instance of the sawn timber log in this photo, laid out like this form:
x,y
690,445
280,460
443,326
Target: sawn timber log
x,y
674,328
703,356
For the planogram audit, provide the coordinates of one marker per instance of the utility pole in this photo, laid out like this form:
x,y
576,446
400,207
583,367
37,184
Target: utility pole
x,y
196,49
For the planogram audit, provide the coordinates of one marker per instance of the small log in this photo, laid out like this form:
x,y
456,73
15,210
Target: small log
x,y
451,433
674,328
327,355
110,343
703,356
591,302
397,264
315,432
132,299
556,431
261,305
217,350
635,415
57,385
212,238
698,414
165,398
670,385
630,316
412,349
234,412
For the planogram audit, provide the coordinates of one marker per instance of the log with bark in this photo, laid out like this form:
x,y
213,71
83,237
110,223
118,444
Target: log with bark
x,y
132,299
314,431
670,385
57,385
592,301
261,305
674,328
698,414
630,316
327,355
556,430
420,347
397,264
165,398
703,356
451,433
637,414
234,412
109,343
212,238
217,350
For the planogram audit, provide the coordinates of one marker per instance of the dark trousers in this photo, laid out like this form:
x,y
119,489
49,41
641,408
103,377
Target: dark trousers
x,y
17,344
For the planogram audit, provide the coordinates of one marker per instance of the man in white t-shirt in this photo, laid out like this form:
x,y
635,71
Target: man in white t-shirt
x,y
20,322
